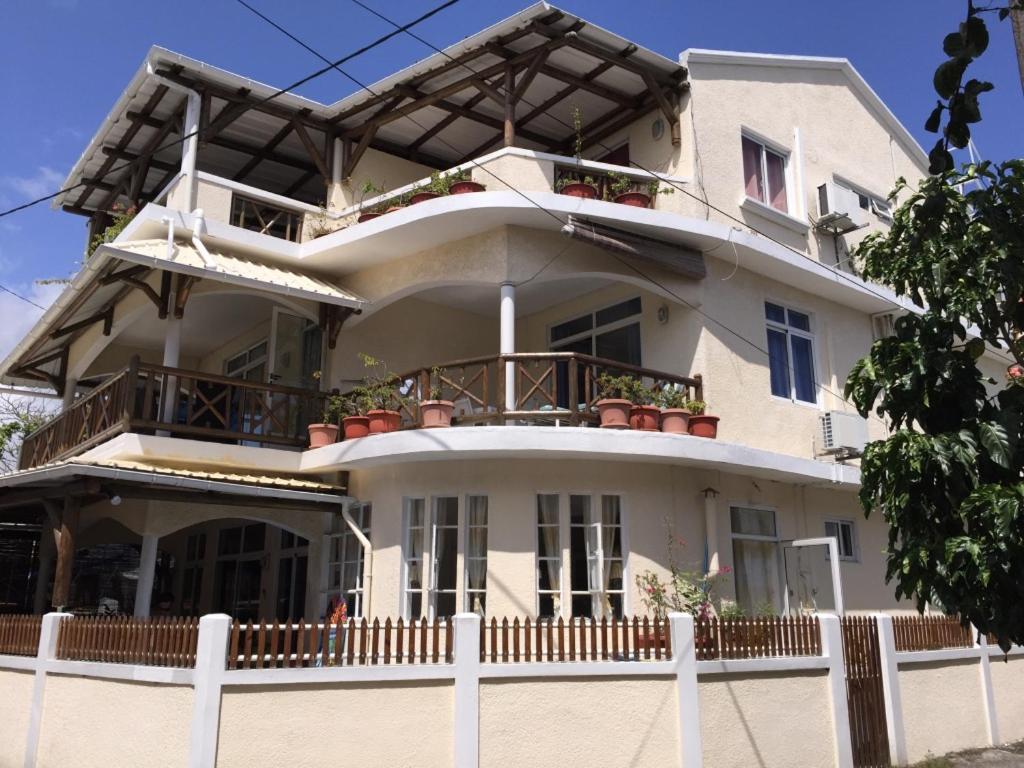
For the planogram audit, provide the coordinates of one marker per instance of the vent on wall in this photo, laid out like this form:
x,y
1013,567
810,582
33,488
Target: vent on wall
x,y
843,433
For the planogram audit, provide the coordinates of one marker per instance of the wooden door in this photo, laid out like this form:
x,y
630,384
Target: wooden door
x,y
864,692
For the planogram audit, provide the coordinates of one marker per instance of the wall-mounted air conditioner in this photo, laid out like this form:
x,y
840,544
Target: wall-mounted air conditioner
x,y
843,432
839,208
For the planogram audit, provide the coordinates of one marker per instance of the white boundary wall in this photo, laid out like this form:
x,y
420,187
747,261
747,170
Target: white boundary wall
x,y
489,706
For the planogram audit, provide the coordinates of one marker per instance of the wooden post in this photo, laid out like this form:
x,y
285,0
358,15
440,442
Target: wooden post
x,y
510,108
65,552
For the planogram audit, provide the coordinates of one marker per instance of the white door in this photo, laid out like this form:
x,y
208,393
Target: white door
x,y
296,347
813,581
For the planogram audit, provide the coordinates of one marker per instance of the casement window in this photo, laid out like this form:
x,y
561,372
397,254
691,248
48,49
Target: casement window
x,y
240,553
346,565
755,556
791,354
764,174
612,333
250,365
292,569
868,202
594,556
845,532
430,556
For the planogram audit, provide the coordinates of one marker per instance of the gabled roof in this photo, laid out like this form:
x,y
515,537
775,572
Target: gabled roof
x,y
857,83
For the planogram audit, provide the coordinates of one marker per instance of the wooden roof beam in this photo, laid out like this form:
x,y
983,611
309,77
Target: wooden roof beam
x,y
230,112
312,150
124,154
249,149
266,149
106,315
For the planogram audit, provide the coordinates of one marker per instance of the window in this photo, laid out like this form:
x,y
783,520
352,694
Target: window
x,y
345,567
844,533
755,559
292,568
612,333
239,572
192,575
476,554
764,175
412,554
596,563
250,365
869,202
444,547
791,354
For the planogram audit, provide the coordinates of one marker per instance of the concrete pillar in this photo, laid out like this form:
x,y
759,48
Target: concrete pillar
x,y
891,690
46,652
507,341
336,198
711,528
147,574
171,359
190,148
832,649
467,690
684,655
214,629
65,553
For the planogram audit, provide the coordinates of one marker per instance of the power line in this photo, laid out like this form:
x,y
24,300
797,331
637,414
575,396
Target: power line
x,y
5,289
330,65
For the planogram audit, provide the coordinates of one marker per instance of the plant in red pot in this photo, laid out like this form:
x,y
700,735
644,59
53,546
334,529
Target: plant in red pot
x,y
438,186
701,424
355,423
462,184
326,432
575,186
675,416
435,412
381,394
614,405
644,415
370,189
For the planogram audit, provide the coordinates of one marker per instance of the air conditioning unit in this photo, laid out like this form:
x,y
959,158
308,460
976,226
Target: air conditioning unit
x,y
839,208
843,432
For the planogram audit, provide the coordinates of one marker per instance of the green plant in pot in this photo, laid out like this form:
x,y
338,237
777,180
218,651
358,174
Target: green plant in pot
x,y
614,404
460,184
701,424
326,432
675,415
354,422
381,396
437,186
435,411
370,189
644,415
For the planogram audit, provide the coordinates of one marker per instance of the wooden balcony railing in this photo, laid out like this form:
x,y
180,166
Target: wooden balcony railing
x,y
549,386
148,398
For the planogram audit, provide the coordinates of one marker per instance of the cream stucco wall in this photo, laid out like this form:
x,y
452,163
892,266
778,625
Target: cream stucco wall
x,y
952,721
1008,686
15,707
384,170
364,724
766,719
93,723
600,722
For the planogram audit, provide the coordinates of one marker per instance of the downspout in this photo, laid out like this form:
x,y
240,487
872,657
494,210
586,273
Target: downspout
x,y
367,557
190,130
198,229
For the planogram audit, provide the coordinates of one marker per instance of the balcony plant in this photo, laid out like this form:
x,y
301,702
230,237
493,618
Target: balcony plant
x,y
577,184
628,191
644,415
675,416
372,190
435,412
701,424
614,404
438,186
461,184
381,396
326,432
355,423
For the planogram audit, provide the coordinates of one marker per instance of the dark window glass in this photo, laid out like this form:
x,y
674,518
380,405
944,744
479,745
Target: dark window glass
x,y
803,369
229,541
799,320
778,363
621,345
774,312
619,312
254,537
572,327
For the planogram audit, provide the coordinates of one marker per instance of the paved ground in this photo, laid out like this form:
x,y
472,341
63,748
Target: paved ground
x,y
1007,756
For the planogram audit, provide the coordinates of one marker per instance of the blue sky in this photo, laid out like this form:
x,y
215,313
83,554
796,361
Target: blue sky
x,y
63,63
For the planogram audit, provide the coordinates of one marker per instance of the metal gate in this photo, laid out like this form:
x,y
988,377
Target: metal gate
x,y
864,692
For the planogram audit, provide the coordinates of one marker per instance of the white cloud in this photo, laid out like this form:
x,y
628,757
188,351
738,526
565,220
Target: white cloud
x,y
18,316
46,181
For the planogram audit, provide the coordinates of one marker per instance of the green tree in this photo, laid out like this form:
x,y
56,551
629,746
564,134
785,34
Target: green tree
x,y
19,416
950,478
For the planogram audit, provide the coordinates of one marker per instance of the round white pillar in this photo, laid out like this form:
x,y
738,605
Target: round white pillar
x,y
147,574
507,342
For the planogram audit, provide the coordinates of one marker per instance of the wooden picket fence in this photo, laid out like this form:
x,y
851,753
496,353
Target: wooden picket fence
x,y
930,633
162,641
578,639
757,637
296,644
19,635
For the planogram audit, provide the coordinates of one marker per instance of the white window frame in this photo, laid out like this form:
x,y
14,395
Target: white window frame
x,y
263,360
790,331
538,560
465,524
854,556
341,535
780,566
433,564
596,330
786,154
565,592
406,593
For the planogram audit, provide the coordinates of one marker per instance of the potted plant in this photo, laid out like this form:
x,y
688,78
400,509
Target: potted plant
x,y
355,423
701,425
614,405
381,396
644,415
462,184
326,432
371,189
623,191
574,187
438,186
435,412
675,417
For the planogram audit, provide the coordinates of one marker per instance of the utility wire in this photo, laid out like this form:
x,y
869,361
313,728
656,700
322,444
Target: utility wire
x,y
330,65
5,289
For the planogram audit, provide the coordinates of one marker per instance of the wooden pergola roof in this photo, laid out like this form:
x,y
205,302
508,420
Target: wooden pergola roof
x,y
517,82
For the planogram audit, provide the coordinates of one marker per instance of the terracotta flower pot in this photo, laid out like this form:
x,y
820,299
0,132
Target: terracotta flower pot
x,y
636,199
579,189
422,197
464,187
355,426
384,421
436,413
394,208
704,426
644,418
614,413
322,434
366,216
675,421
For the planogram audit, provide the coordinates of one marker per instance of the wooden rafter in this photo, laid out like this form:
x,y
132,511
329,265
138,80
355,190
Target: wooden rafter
x,y
250,149
133,271
332,317
106,315
182,291
531,72
227,115
311,148
124,154
265,150
299,183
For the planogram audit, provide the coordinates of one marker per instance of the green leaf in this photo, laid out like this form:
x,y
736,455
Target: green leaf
x,y
975,348
932,123
939,159
953,44
996,442
959,135
975,35
947,77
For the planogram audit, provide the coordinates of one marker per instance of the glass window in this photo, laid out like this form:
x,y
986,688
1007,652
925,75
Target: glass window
x,y
843,532
764,174
790,354
345,567
549,556
413,553
753,522
755,559
444,556
476,554
611,332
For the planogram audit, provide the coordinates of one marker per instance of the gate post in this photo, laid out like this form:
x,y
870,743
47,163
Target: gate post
x,y
832,649
684,655
987,692
891,690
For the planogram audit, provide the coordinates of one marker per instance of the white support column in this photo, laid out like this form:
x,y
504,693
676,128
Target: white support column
x,y
467,690
147,574
171,359
190,148
988,694
711,528
214,630
507,343
832,649
891,691
47,651
684,653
